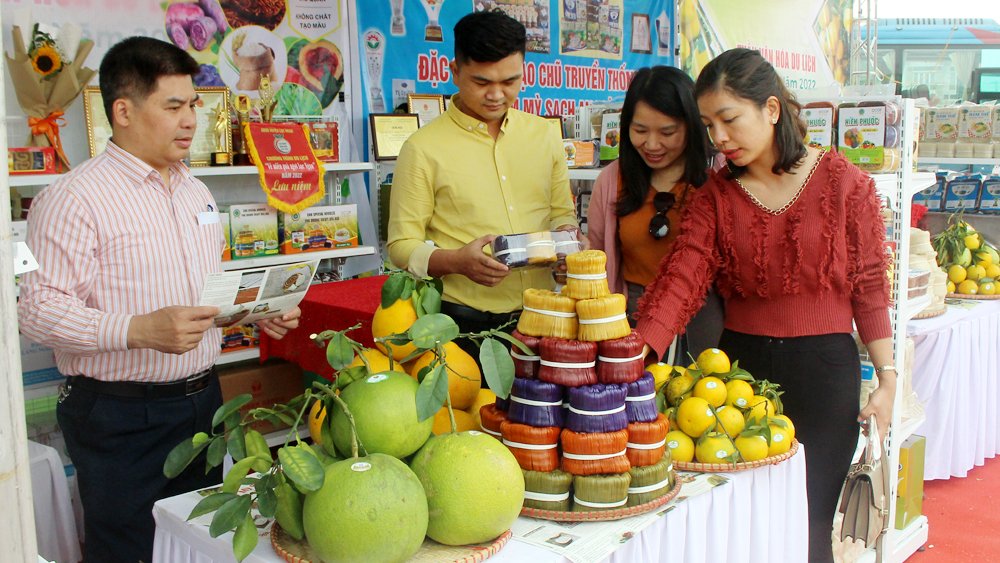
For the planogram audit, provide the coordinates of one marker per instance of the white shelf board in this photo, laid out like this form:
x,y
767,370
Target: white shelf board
x,y
959,161
279,259
238,356
277,438
885,184
905,542
914,306
200,171
584,173
907,427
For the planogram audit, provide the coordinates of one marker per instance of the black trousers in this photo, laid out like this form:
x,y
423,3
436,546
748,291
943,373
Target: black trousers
x,y
474,320
118,446
821,377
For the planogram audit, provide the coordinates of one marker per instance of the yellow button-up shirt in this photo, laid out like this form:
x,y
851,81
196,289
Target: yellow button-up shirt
x,y
454,183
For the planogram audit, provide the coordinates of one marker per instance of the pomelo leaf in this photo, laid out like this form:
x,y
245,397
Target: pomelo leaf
x,y
181,456
210,503
245,538
229,407
430,298
229,515
498,367
235,444
339,352
302,468
432,393
393,288
429,330
267,502
408,286
216,451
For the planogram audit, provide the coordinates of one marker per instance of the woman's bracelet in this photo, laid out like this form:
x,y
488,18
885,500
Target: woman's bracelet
x,y
885,368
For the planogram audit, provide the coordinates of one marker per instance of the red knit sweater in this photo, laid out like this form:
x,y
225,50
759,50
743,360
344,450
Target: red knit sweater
x,y
808,271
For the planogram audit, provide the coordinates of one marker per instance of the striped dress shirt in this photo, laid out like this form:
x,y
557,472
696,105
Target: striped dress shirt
x,y
112,242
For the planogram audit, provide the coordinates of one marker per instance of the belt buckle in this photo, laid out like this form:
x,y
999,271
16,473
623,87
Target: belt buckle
x,y
196,384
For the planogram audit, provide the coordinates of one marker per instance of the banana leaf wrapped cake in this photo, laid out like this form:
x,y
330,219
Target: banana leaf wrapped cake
x,y
568,362
586,275
620,360
490,419
594,453
548,490
536,403
640,403
600,492
535,448
650,482
602,318
526,365
541,248
597,408
547,313
647,441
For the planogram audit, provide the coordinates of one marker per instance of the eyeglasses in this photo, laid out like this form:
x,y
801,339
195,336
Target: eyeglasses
x,y
659,225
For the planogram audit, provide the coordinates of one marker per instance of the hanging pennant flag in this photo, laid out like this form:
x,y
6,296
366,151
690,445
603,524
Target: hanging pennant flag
x,y
290,174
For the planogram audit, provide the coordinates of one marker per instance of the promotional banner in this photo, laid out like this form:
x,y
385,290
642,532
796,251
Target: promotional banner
x,y
807,41
290,174
578,50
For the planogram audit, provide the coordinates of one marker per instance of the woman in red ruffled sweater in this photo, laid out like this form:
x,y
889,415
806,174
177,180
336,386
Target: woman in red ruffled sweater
x,y
793,239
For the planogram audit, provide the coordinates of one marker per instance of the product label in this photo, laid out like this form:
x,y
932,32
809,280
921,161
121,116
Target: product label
x,y
361,466
975,122
377,378
942,124
861,135
932,197
610,135
962,193
319,228
990,195
474,432
819,127
253,229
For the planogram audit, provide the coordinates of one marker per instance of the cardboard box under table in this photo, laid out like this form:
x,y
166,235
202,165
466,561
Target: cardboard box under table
x,y
270,383
330,306
910,487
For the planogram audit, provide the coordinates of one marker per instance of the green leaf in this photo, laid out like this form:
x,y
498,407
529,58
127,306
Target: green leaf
x,y
418,306
229,515
284,418
267,502
498,367
302,467
429,330
393,288
181,456
210,503
245,538
216,451
235,444
232,481
432,393
408,286
339,352
430,298
515,342
233,420
229,407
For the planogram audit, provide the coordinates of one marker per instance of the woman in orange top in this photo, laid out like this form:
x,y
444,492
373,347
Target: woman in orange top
x,y
635,209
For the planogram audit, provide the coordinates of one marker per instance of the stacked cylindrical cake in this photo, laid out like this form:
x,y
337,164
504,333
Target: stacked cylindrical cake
x,y
581,418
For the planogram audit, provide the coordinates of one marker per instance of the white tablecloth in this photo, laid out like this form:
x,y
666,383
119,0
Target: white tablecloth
x,y
55,523
759,515
956,374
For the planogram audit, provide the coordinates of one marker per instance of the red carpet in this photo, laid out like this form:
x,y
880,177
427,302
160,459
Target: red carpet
x,y
963,517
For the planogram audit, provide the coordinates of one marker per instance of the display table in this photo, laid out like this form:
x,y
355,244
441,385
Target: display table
x,y
756,515
956,375
55,522
328,306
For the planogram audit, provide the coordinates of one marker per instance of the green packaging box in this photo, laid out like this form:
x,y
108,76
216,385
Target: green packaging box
x,y
254,230
227,251
910,484
321,227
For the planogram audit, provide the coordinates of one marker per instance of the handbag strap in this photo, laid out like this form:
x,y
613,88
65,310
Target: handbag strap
x,y
873,450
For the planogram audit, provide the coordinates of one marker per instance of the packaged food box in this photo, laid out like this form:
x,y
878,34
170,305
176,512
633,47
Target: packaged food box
x,y
240,337
254,230
917,283
975,123
31,160
868,134
962,192
989,195
535,249
910,481
933,196
942,124
582,154
227,251
819,117
611,136
38,364
318,228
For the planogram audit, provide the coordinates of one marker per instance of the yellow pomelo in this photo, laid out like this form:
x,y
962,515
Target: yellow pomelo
x,y
789,427
485,397
681,446
993,271
712,361
384,407
738,393
661,373
760,408
317,414
781,442
988,288
951,286
712,389
730,421
679,388
377,361
463,421
464,377
397,319
972,241
474,487
968,287
695,416
975,272
714,448
956,274
752,448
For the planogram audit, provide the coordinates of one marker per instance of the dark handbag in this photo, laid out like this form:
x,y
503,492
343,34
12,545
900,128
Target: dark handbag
x,y
865,499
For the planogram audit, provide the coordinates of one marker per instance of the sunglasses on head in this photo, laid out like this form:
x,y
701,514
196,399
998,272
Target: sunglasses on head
x,y
659,225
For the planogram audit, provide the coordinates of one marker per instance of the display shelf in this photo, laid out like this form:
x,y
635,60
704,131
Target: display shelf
x,y
885,184
238,356
908,426
959,161
905,542
279,259
915,306
584,173
17,181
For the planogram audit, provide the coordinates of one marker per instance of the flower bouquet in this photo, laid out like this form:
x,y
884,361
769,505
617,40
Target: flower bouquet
x,y
46,79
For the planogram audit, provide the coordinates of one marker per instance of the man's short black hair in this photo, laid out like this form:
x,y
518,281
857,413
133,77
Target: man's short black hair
x,y
487,37
133,66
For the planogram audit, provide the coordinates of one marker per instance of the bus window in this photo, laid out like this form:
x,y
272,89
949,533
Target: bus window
x,y
946,73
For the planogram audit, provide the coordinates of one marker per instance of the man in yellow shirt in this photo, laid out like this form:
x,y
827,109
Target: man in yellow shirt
x,y
480,170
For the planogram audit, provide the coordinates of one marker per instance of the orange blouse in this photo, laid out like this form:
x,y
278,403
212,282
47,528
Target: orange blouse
x,y
641,253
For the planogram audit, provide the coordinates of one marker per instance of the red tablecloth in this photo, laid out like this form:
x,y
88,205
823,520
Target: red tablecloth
x,y
330,306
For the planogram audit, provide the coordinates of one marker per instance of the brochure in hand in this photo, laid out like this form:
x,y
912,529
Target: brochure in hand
x,y
246,296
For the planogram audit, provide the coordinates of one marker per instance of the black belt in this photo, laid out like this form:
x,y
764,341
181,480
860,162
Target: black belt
x,y
135,390
460,313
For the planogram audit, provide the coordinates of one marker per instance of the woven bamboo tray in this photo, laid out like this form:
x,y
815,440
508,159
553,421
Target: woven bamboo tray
x,y
931,313
741,466
963,296
298,551
604,515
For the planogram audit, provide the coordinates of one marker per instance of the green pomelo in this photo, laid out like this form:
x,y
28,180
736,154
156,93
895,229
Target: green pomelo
x,y
384,406
474,487
369,509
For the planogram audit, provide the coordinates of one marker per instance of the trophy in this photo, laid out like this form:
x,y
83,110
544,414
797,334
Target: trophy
x,y
220,128
433,30
241,105
374,45
397,27
266,100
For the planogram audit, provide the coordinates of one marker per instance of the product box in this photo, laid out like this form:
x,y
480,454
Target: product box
x,y
227,252
253,228
819,126
989,195
962,192
320,227
910,484
274,382
942,124
38,364
324,137
31,160
975,123
932,196
582,154
611,136
240,337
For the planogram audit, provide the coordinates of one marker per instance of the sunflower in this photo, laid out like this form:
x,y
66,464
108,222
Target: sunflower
x,y
46,60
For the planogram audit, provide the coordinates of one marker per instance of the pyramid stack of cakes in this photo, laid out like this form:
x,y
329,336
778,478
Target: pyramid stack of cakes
x,y
926,276
581,418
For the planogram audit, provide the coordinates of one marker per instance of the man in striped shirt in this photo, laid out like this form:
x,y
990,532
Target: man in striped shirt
x,y
124,243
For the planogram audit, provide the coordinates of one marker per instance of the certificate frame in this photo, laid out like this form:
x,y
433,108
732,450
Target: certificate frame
x,y
98,125
642,35
212,99
425,106
389,131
